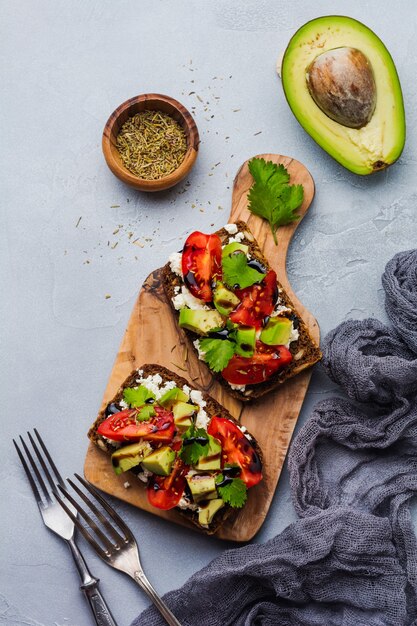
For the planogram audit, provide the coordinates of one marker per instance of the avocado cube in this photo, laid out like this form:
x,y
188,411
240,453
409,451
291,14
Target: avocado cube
x,y
202,487
182,412
214,455
235,246
224,300
245,341
129,456
160,461
277,332
207,512
171,396
200,321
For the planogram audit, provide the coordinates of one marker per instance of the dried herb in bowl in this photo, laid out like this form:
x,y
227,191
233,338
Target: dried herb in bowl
x,y
151,144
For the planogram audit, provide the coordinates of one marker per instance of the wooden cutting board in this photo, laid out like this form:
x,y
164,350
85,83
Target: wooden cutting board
x,y
152,336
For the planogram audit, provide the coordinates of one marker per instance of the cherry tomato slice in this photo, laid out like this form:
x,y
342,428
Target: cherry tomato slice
x,y
201,264
262,365
165,492
256,302
237,449
122,426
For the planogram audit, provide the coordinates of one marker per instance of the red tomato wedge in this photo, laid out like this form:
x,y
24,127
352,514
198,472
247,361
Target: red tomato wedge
x,y
165,492
256,302
256,369
236,449
123,426
202,264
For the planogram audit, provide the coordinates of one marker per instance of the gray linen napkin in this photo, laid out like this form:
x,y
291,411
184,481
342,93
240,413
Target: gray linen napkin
x,y
351,559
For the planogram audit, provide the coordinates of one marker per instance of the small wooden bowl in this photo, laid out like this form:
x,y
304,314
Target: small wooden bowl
x,y
152,102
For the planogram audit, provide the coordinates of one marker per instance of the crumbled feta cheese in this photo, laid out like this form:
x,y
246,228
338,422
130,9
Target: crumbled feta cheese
x,y
202,419
279,308
201,353
294,335
177,289
114,444
238,387
144,475
186,299
126,485
197,397
231,229
245,432
185,503
175,263
123,404
170,384
186,390
237,238
140,372
152,383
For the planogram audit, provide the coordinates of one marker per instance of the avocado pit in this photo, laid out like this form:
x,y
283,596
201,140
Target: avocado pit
x,y
342,84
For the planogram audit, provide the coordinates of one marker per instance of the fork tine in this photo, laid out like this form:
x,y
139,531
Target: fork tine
x,y
87,536
28,474
98,513
106,542
48,456
107,507
41,461
37,472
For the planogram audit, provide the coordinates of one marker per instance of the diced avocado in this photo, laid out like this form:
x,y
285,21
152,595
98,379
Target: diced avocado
x,y
160,461
277,332
171,396
213,459
200,321
207,512
224,300
182,412
235,246
202,487
129,456
342,86
245,341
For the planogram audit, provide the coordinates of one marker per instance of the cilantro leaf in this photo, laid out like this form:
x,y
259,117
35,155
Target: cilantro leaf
x,y
192,449
236,271
145,413
271,196
136,396
234,492
217,352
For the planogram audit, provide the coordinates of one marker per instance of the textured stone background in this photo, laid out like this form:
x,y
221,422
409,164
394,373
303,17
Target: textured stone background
x,y
65,66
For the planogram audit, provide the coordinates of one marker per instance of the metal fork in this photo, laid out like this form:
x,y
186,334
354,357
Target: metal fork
x,y
58,521
118,547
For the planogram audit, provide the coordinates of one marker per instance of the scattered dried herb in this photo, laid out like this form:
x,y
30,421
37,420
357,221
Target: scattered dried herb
x,y
151,144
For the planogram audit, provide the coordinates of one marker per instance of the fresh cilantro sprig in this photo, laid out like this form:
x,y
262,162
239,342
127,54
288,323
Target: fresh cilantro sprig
x,y
192,449
137,396
236,271
271,196
217,352
234,491
145,413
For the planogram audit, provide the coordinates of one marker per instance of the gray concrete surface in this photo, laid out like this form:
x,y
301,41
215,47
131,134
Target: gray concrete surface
x,y
65,246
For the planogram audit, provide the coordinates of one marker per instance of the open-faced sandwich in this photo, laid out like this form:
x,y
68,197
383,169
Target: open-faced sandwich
x,y
182,444
242,323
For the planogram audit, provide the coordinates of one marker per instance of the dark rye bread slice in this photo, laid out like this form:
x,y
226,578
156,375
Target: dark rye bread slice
x,y
212,408
305,351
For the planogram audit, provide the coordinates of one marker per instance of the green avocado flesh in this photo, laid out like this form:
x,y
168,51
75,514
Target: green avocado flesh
x,y
202,487
277,332
360,145
172,396
213,459
129,456
200,321
224,300
206,513
160,461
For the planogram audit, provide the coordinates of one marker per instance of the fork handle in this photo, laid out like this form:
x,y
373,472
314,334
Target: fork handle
x,y
99,608
144,584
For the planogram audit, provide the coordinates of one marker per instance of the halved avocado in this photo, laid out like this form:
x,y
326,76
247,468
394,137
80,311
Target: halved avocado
x,y
342,86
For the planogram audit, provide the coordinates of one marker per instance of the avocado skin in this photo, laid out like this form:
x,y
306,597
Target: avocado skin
x,y
200,321
376,145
